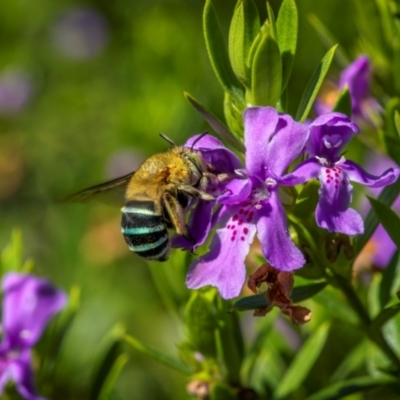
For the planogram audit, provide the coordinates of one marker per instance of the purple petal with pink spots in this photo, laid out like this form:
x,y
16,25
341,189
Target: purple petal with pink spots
x,y
223,266
333,212
277,245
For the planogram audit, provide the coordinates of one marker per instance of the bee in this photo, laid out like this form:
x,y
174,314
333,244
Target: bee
x,y
157,196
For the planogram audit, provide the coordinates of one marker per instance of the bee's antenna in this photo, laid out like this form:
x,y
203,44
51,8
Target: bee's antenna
x,y
198,139
170,141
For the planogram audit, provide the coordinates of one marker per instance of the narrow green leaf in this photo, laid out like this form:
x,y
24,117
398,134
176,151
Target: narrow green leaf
x,y
271,23
390,281
220,129
391,108
329,40
343,103
220,391
307,200
109,384
341,389
11,257
384,316
158,356
110,351
231,347
218,52
287,27
392,145
244,28
266,73
314,85
397,122
351,363
387,196
387,20
299,293
303,362
388,218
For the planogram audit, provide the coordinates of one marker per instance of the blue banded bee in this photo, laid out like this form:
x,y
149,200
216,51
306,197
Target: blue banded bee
x,y
156,196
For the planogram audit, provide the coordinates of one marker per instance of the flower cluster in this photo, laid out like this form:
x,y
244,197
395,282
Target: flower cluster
x,y
28,305
250,203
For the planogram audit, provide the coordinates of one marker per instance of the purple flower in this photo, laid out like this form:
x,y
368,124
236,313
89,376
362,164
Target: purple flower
x,y
222,161
80,33
28,305
357,77
250,204
329,133
16,89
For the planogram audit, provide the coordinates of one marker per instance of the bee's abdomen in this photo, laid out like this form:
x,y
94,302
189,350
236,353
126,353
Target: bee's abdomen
x,y
144,230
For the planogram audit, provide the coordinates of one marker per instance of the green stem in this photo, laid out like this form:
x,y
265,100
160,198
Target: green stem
x,y
365,319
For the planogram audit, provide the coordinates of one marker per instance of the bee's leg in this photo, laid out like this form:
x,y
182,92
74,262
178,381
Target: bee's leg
x,y
176,215
212,179
196,193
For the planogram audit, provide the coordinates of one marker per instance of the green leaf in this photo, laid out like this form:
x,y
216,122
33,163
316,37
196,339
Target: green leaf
x,y
387,196
341,389
388,218
230,347
271,23
307,200
303,362
287,27
244,28
158,356
314,85
397,122
266,73
107,357
329,40
299,293
201,320
218,53
392,145
115,371
384,316
390,281
220,391
343,103
11,256
351,363
391,108
220,129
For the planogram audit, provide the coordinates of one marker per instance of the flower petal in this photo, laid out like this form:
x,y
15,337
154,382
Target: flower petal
x,y
333,212
215,153
223,266
357,174
259,126
236,191
28,305
286,144
277,245
329,133
21,373
199,226
302,173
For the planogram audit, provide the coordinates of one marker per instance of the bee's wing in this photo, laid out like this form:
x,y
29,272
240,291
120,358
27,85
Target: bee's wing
x,y
116,186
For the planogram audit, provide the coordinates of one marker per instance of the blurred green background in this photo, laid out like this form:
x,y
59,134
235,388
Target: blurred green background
x,y
85,88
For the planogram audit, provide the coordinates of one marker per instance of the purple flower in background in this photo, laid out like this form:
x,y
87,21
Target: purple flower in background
x,y
357,77
329,133
80,33
251,204
28,305
16,89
